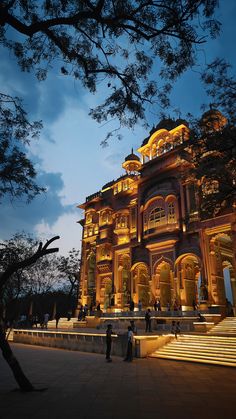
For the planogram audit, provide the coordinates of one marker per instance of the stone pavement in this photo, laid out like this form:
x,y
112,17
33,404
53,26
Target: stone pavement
x,y
83,386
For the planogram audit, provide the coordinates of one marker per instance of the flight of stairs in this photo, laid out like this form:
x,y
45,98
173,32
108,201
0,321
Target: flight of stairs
x,y
206,349
226,327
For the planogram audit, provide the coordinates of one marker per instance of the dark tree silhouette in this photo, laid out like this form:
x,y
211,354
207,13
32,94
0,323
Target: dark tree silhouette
x,y
17,173
22,380
134,49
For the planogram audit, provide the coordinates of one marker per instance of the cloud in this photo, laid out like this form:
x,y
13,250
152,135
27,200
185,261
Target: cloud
x,y
45,100
66,227
46,208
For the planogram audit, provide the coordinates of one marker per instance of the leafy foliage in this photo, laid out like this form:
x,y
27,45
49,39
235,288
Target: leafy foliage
x,y
213,155
17,173
221,87
40,278
69,269
122,45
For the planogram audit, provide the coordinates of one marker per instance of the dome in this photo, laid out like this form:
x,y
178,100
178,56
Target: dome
x,y
132,163
131,157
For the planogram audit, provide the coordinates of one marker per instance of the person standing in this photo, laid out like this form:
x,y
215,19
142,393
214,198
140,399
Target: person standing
x,y
139,305
57,317
130,337
45,320
133,327
108,342
148,320
155,305
194,304
131,305
177,329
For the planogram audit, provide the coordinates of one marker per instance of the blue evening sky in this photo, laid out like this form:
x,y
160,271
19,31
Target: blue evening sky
x,y
68,155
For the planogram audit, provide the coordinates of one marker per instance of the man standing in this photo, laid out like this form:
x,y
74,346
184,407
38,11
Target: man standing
x,y
129,355
148,320
108,342
45,320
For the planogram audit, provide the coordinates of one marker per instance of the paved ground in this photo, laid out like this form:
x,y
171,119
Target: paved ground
x,y
84,386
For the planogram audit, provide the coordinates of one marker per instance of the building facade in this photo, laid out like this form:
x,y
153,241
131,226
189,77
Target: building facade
x,y
143,236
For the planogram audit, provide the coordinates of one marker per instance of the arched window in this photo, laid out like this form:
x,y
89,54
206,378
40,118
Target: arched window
x,y
90,231
89,218
171,212
123,221
156,217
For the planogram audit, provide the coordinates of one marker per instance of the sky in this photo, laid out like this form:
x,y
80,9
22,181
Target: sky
x,y
68,156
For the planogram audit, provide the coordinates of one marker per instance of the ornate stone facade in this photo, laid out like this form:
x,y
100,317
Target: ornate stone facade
x,y
143,237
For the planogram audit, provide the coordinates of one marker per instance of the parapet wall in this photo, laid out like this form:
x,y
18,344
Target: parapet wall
x,y
89,342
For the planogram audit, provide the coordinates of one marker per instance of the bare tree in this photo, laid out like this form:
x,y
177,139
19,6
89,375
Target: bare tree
x,y
43,250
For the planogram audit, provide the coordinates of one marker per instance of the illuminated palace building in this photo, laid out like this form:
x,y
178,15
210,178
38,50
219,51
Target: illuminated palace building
x,y
143,235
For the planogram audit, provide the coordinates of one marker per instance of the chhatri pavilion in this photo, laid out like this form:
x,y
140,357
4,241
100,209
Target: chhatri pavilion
x,y
144,237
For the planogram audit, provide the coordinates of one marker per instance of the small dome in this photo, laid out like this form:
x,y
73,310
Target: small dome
x,y
131,157
132,163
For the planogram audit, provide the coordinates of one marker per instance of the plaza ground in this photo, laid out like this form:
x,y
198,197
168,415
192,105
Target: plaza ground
x,y
83,386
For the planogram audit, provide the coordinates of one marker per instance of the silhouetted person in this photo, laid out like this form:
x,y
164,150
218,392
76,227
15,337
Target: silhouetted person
x,y
108,342
131,305
129,354
201,318
148,320
57,317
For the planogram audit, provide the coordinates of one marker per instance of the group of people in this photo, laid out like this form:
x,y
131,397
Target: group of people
x,y
83,312
157,306
130,337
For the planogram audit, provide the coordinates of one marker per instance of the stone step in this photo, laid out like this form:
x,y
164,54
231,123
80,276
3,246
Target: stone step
x,y
225,327
201,360
208,354
200,348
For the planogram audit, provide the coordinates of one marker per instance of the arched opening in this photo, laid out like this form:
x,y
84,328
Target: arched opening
x,y
222,269
124,279
227,283
189,280
91,283
141,291
107,292
164,283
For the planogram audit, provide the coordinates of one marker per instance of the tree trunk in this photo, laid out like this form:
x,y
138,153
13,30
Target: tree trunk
x,y
20,377
22,380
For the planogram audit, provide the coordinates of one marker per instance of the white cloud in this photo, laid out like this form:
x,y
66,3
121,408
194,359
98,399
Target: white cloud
x,y
66,227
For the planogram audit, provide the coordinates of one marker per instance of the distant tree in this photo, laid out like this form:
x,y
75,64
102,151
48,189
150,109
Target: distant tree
x,y
69,268
114,44
212,153
220,86
17,173
42,250
40,278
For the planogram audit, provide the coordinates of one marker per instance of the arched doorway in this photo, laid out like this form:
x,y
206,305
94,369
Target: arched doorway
x,y
164,283
124,279
107,292
222,263
141,291
91,281
189,280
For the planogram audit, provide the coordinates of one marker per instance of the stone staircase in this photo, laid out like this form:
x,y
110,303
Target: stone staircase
x,y
206,349
226,327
